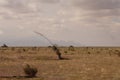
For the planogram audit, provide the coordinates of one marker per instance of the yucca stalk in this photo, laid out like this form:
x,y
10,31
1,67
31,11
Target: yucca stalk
x,y
54,47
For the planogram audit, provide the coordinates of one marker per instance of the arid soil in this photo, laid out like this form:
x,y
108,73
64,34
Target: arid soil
x,y
80,63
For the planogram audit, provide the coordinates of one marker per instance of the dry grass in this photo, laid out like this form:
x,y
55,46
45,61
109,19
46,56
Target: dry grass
x,y
80,64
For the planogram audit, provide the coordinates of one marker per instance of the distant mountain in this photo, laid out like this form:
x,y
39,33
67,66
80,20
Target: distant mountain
x,y
37,42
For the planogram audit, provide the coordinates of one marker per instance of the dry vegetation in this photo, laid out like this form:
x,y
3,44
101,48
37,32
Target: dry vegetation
x,y
79,64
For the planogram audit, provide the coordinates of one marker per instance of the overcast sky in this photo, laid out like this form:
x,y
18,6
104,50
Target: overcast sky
x,y
65,22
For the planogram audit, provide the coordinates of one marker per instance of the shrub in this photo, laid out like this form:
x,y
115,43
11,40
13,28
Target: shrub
x,y
24,50
89,52
71,48
4,46
49,46
30,71
65,52
117,52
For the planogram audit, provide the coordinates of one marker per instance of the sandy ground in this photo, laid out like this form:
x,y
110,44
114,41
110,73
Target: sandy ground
x,y
79,64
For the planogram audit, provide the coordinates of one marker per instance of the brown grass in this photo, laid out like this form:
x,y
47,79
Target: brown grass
x,y
81,64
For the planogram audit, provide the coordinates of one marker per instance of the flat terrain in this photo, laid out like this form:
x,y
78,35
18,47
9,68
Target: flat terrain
x,y
82,63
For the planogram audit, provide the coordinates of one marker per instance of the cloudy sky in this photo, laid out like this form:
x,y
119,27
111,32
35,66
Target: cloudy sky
x,y
65,22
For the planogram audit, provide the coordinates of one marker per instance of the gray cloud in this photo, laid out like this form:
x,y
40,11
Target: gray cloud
x,y
18,6
97,4
98,8
50,1
86,21
16,9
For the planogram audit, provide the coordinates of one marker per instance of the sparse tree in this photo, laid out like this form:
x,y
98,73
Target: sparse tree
x,y
4,46
71,48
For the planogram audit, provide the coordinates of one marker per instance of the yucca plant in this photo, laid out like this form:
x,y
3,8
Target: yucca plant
x,y
54,47
57,51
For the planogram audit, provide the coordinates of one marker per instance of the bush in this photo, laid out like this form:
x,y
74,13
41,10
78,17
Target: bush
x,y
30,71
117,52
65,52
89,52
71,48
4,46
